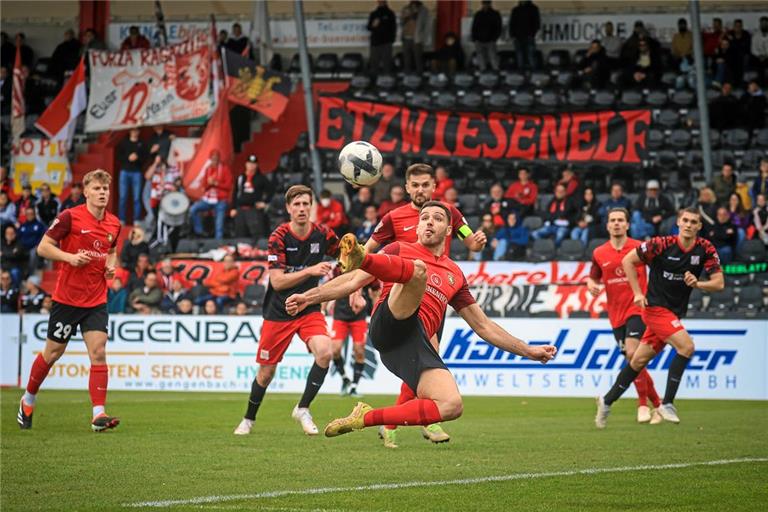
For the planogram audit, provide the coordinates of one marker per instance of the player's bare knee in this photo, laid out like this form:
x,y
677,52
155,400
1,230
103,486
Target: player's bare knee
x,y
265,375
323,354
98,355
451,408
686,349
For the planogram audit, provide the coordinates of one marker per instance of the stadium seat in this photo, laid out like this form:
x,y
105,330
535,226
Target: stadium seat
x,y
751,158
721,156
488,79
533,222
669,78
514,79
498,100
254,294
592,245
351,63
761,279
564,78
549,98
631,98
680,139
187,245
578,58
735,138
327,63
578,98
394,97
692,118
459,251
722,302
471,100
295,66
666,158
696,300
656,98
604,98
714,138
463,80
683,98
570,250
445,100
558,59
736,280
540,79
655,139
752,251
470,205
761,138
411,82
360,82
473,221
669,118
438,81
523,99
420,100
712,94
385,82
543,250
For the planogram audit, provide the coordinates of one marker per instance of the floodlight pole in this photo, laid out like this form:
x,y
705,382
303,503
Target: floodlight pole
x,y
701,90
306,79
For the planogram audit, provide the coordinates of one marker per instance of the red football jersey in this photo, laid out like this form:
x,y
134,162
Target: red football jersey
x,y
446,284
77,230
606,265
399,225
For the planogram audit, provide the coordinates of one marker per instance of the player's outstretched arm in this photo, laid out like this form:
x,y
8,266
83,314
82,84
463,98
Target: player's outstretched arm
x,y
337,288
628,263
494,334
49,249
281,280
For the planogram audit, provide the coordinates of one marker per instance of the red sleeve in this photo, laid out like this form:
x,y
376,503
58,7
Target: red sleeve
x,y
276,250
511,190
531,198
457,219
462,298
117,236
711,259
595,272
385,231
331,242
61,226
392,249
648,250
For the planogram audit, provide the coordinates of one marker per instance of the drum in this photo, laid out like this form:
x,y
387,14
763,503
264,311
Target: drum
x,y
173,209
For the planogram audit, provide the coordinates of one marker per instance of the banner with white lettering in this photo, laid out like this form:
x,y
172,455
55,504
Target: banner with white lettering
x,y
39,161
177,31
217,353
149,86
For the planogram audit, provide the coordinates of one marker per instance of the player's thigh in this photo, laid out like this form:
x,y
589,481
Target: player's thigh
x,y
405,298
94,328
630,346
313,330
682,342
321,348
274,340
439,385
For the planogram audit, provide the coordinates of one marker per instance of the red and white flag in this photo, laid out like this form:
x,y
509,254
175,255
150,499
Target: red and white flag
x,y
217,136
59,119
18,107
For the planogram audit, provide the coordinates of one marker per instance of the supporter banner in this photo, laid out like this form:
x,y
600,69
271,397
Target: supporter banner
x,y
9,350
148,87
217,353
177,31
256,87
605,136
192,271
38,161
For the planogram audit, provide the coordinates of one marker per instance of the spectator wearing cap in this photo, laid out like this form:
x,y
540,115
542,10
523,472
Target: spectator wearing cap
x,y
131,154
32,299
135,40
396,200
76,197
218,187
330,212
649,212
724,184
560,217
48,205
250,197
497,206
443,183
522,193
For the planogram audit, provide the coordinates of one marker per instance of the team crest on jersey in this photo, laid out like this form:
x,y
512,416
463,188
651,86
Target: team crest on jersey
x,y
314,247
619,271
451,279
695,259
110,237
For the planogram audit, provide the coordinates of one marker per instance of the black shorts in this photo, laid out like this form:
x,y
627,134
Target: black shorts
x,y
403,345
65,319
633,328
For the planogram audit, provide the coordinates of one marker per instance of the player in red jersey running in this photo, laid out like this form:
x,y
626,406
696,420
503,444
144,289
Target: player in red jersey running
x,y
676,262
295,254
624,315
399,225
83,239
420,280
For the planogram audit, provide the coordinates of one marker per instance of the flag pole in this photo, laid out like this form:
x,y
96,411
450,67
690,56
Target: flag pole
x,y
308,103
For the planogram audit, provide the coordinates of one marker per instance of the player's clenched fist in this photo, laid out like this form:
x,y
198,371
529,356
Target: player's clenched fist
x,y
320,269
295,303
690,280
542,353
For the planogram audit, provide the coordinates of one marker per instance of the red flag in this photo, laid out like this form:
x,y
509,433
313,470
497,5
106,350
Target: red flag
x,y
59,119
17,105
218,136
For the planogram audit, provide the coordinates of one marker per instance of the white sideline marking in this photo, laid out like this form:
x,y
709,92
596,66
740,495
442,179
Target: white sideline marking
x,y
405,485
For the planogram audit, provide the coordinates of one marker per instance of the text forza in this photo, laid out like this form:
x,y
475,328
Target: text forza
x,y
608,136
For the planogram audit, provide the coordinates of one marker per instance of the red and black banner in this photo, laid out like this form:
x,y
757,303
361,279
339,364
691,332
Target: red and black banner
x,y
256,87
617,136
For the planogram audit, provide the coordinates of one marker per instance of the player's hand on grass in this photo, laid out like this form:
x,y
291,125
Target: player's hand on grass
x,y
594,288
320,269
541,353
295,303
640,300
78,259
690,280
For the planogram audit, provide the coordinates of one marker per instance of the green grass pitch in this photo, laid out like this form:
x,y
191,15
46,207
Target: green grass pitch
x,y
180,446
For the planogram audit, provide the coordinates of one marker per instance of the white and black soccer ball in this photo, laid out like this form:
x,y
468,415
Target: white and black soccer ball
x,y
360,163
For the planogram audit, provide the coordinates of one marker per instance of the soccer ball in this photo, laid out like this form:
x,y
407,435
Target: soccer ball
x,y
360,163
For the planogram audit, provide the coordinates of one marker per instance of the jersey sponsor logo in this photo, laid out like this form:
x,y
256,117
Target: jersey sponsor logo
x,y
437,293
671,276
314,248
436,280
695,259
272,257
408,228
264,354
292,249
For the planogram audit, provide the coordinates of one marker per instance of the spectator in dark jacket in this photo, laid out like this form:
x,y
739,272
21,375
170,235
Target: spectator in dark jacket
x,y
643,67
650,210
239,43
65,57
172,297
760,185
135,40
9,294
30,234
486,30
76,197
450,57
741,44
33,296
560,216
724,184
7,50
707,206
382,24
91,42
14,255
133,247
595,70
586,222
159,142
524,23
754,104
360,203
24,203
117,297
725,64
725,111
250,198
509,242
48,205
723,235
27,55
131,155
